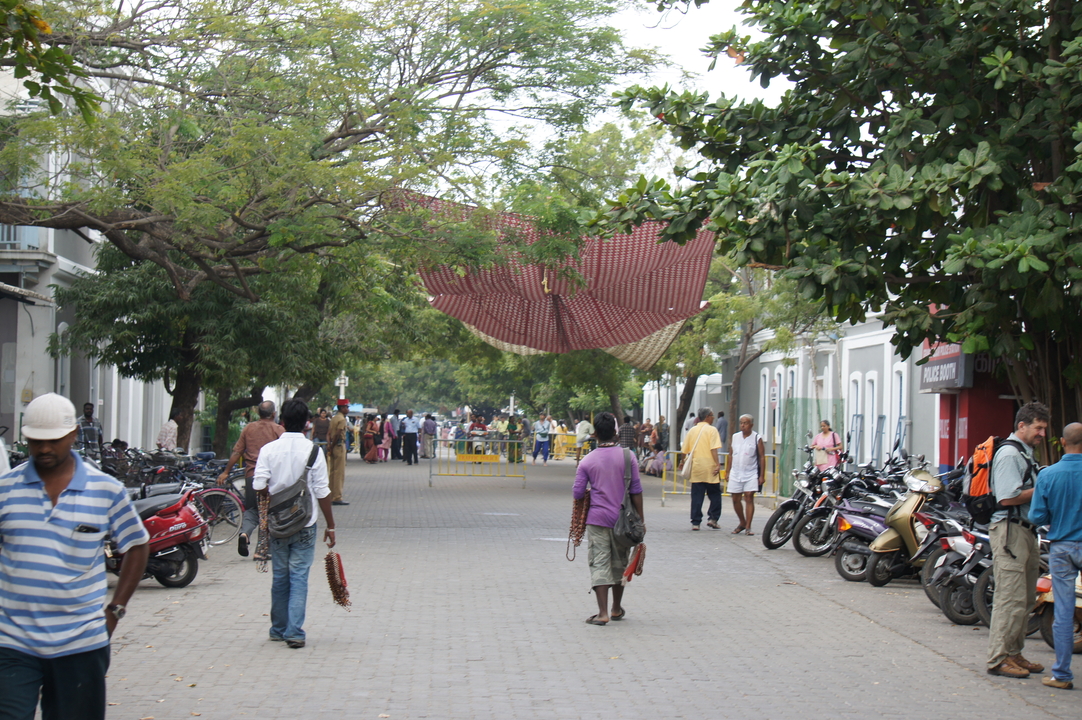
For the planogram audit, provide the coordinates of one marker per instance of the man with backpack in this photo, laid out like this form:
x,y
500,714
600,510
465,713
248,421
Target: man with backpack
x,y
1014,543
283,464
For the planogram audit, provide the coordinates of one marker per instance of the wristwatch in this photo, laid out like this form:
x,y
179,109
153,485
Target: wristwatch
x,y
118,611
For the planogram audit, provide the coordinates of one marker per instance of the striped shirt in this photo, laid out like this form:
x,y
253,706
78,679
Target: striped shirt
x,y
52,564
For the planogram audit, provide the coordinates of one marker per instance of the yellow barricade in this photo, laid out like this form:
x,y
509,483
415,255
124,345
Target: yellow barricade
x,y
673,484
478,457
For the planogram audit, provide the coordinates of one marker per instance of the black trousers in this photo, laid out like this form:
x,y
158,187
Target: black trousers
x,y
396,447
72,687
700,491
409,447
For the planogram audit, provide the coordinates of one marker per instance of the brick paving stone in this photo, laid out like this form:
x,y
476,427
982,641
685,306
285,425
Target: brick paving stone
x,y
464,607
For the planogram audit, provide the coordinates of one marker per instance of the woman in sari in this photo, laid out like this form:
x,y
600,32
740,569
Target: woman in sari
x,y
371,440
559,442
389,434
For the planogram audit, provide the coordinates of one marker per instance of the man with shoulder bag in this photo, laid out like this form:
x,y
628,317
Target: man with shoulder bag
x,y
1013,537
294,472
611,476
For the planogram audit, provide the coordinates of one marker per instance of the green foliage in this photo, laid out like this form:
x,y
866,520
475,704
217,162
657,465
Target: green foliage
x,y
927,164
238,136
28,47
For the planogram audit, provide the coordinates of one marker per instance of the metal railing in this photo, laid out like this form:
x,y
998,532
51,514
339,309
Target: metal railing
x,y
673,484
478,457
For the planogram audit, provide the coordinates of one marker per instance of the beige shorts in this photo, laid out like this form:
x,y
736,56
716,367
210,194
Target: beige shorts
x,y
607,561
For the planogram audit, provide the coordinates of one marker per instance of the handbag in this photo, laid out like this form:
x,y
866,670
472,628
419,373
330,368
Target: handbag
x,y
629,529
685,471
290,510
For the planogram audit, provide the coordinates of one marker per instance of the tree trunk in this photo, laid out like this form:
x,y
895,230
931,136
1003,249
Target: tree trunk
x,y
226,408
745,359
306,392
676,427
185,397
617,408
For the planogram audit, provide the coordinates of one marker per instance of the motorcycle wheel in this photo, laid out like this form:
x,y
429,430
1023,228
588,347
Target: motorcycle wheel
x,y
927,571
956,602
1047,617
183,573
984,592
880,569
779,527
850,565
814,535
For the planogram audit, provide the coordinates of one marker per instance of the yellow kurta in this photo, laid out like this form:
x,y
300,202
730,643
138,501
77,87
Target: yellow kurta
x,y
702,468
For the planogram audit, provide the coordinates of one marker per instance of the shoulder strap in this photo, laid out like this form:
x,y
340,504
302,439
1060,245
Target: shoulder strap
x,y
627,472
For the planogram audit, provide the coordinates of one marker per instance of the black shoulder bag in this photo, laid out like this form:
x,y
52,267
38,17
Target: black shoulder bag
x,y
291,509
629,529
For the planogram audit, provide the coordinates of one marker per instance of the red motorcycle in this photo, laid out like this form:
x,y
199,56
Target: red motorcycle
x,y
178,539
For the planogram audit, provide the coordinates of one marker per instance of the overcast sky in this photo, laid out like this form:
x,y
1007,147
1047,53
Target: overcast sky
x,y
682,35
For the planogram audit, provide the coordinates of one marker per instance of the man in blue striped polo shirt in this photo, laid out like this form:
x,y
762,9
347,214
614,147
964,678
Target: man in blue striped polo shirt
x,y
55,513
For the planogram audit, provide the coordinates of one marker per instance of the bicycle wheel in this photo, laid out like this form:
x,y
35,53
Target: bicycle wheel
x,y
226,514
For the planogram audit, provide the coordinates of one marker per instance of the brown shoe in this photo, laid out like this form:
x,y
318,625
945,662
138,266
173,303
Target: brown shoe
x,y
1008,669
1026,664
1058,684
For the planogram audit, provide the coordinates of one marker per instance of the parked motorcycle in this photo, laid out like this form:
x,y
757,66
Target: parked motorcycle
x,y
807,489
178,540
965,557
859,522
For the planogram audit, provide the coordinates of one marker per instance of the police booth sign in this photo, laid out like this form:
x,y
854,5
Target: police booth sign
x,y
947,368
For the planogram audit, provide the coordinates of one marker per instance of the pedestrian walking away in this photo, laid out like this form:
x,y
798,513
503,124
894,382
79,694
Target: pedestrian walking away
x,y
252,439
336,452
1014,544
747,472
602,473
411,429
700,448
428,436
1057,502
722,426
280,465
55,514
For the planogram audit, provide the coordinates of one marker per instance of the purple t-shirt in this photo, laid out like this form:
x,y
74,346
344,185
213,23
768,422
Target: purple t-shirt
x,y
604,470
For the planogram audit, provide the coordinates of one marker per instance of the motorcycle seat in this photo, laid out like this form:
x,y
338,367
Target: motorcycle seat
x,y
871,508
171,488
149,507
208,455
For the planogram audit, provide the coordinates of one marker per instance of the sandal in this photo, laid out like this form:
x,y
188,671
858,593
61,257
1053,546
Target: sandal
x,y
592,620
621,616
748,532
712,525
738,530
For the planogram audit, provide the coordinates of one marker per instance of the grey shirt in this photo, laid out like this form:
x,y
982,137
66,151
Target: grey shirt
x,y
722,424
1008,472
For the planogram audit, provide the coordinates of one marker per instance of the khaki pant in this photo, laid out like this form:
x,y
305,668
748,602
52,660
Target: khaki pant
x,y
1016,588
336,471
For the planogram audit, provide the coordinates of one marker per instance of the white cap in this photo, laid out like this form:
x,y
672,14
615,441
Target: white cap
x,y
49,417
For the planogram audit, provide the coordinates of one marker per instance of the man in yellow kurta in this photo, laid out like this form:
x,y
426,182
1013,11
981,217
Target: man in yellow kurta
x,y
336,453
701,446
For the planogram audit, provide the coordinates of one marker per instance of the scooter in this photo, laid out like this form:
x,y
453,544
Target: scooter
x,y
904,546
1045,609
178,540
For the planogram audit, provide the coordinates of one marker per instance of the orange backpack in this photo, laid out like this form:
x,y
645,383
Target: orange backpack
x,y
977,494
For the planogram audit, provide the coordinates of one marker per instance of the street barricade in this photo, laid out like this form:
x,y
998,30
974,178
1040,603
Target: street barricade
x,y
482,456
673,484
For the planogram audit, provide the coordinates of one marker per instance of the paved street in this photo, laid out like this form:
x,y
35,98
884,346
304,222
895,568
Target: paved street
x,y
464,607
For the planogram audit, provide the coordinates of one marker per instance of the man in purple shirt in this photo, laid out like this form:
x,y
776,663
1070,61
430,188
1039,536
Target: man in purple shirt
x,y
603,471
